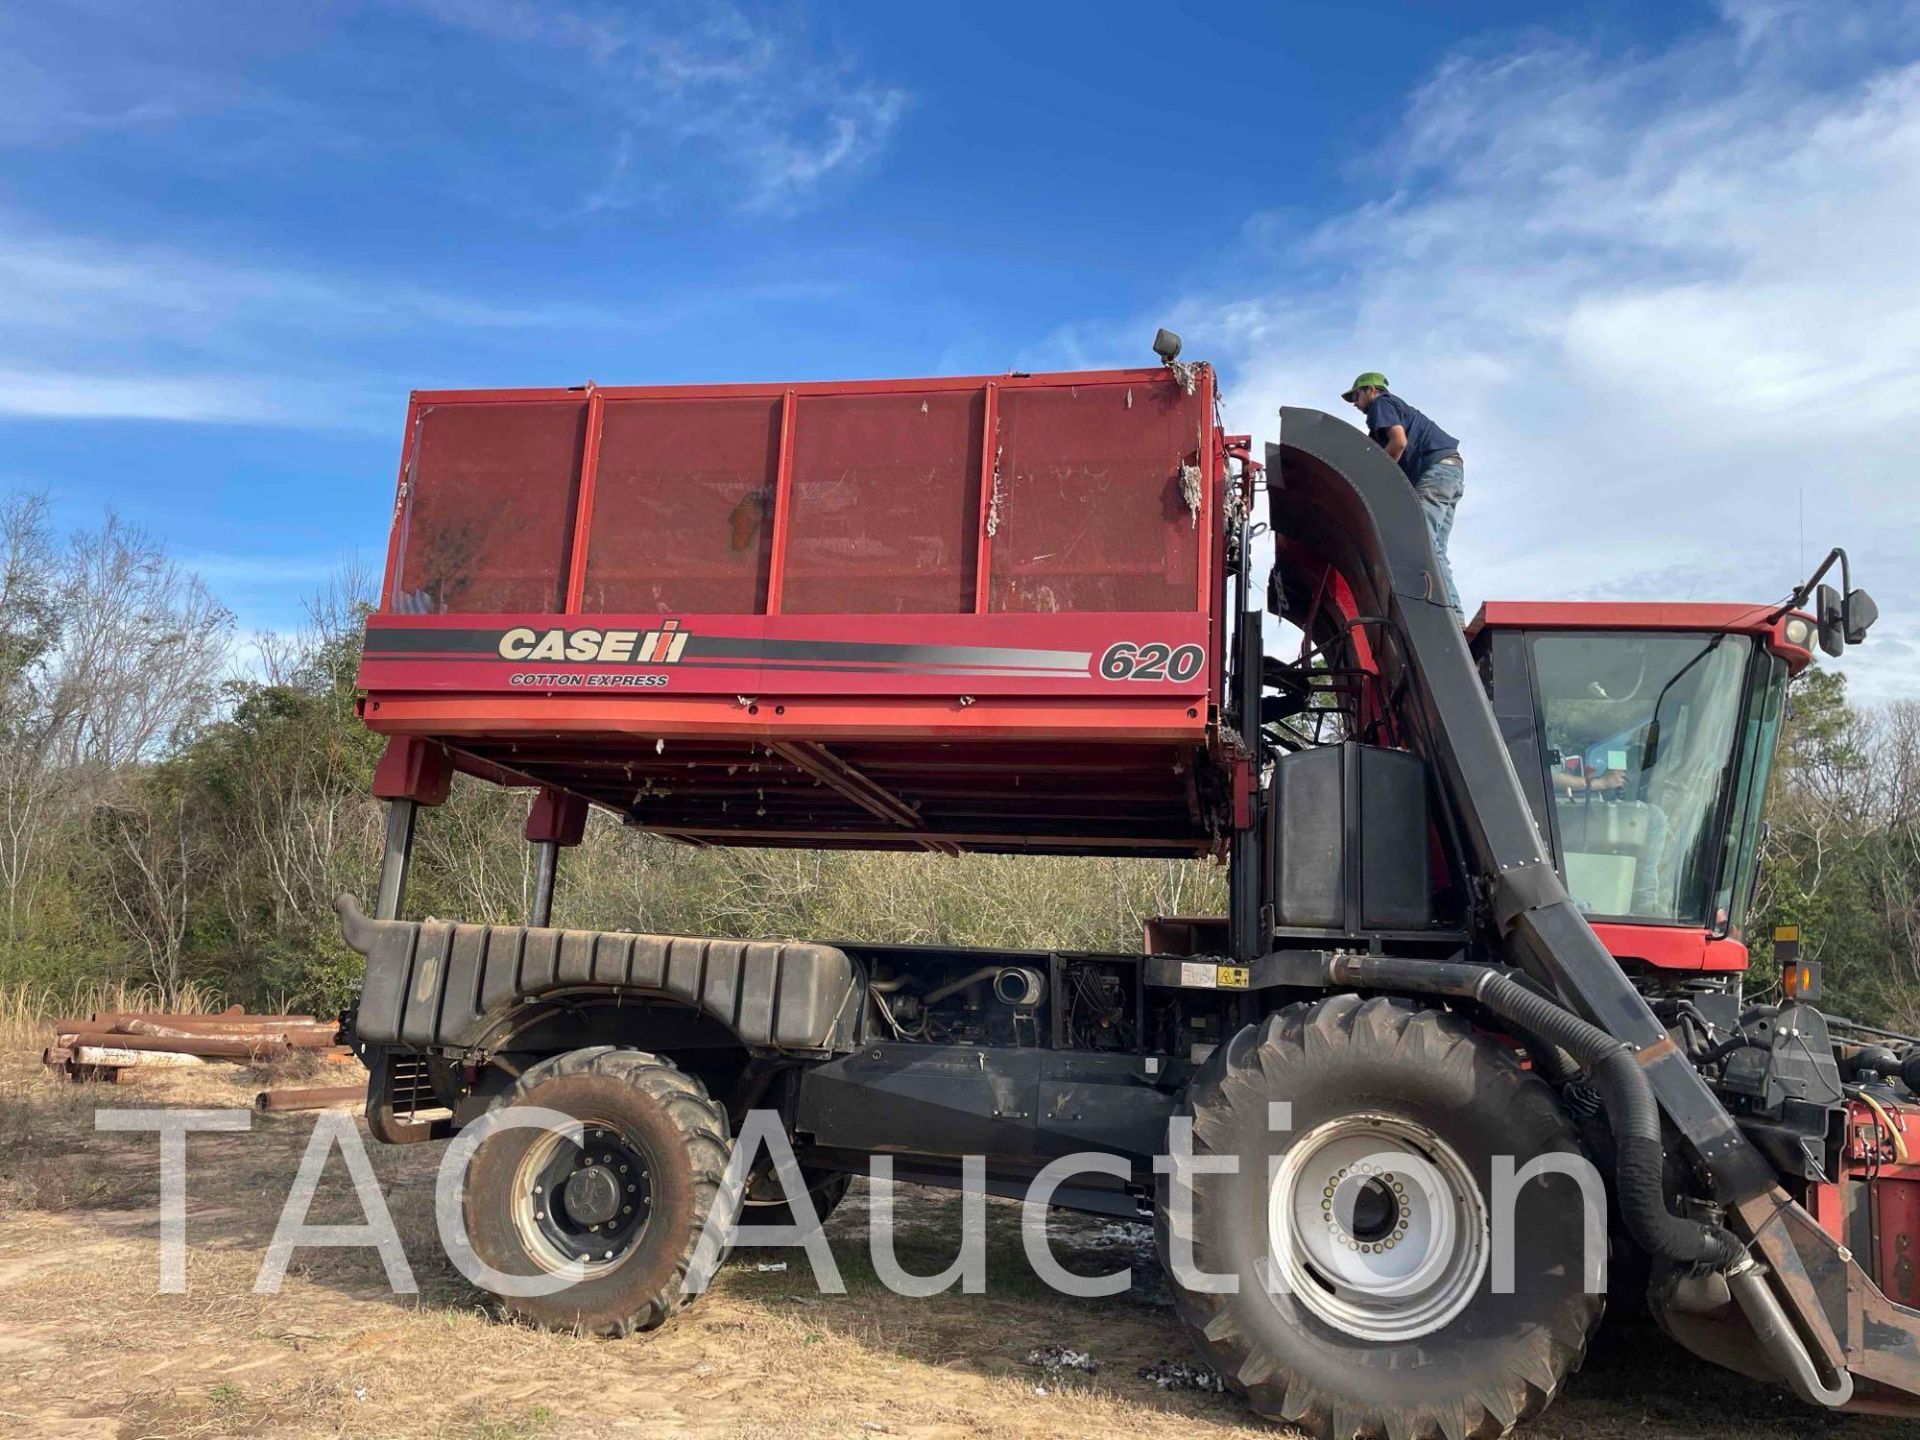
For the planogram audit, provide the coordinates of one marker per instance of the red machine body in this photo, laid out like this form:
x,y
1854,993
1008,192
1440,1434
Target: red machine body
x,y
1020,613
1874,1204
955,613
997,599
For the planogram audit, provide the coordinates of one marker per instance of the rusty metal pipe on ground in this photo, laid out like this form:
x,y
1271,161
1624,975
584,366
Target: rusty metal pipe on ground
x,y
316,1097
197,1024
118,1058
229,1018
208,1046
305,1036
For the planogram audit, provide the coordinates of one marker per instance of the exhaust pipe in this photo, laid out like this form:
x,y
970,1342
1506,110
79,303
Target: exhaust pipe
x,y
1780,1341
1014,985
1020,987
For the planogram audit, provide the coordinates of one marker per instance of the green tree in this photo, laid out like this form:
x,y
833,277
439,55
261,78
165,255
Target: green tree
x,y
1839,859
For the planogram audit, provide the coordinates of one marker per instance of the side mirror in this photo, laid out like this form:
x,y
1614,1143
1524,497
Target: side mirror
x,y
1827,611
1166,344
1858,613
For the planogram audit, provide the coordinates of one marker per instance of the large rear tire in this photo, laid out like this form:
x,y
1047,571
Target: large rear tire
x,y
629,1204
1357,1226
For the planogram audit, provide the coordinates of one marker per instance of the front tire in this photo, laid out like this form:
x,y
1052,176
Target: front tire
x,y
1357,1226
628,1204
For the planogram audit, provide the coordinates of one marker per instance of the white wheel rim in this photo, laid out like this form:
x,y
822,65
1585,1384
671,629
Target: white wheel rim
x,y
1378,1227
527,1208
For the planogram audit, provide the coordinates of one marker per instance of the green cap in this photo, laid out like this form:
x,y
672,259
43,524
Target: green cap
x,y
1361,382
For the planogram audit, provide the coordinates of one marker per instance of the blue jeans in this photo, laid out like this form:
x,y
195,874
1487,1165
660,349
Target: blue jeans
x,y
1439,489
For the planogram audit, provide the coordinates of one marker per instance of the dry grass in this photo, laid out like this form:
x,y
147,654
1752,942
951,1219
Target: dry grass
x,y
301,1067
87,1348
27,1012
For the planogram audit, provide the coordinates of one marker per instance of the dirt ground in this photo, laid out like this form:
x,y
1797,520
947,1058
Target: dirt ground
x,y
88,1347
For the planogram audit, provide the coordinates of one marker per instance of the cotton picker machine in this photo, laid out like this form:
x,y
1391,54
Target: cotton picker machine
x,y
1487,890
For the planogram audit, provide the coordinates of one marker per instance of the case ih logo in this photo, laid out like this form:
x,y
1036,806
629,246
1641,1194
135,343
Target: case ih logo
x,y
624,647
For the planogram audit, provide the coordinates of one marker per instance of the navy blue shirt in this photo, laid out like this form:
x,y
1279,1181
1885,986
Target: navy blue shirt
x,y
1426,441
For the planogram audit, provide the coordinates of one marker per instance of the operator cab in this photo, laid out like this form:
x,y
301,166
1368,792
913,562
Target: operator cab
x,y
1643,735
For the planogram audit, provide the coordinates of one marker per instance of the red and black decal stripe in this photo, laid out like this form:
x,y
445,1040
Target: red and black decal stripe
x,y
738,651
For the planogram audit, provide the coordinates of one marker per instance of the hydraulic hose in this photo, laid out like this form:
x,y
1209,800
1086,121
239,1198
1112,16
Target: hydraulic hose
x,y
1556,1067
1632,1112
1640,1170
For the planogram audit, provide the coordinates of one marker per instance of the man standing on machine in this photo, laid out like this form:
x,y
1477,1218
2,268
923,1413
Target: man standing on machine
x,y
1427,454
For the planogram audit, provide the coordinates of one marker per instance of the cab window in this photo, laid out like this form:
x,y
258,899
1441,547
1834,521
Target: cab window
x,y
1640,735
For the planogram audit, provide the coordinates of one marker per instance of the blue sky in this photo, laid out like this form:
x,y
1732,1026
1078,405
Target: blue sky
x,y
1654,264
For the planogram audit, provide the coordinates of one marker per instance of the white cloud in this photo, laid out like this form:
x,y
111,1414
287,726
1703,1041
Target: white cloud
x,y
57,282
92,330
90,71
1665,299
39,107
95,330
68,395
778,118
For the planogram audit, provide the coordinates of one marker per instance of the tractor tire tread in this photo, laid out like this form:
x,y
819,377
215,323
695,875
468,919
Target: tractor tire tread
x,y
1303,1035
704,1133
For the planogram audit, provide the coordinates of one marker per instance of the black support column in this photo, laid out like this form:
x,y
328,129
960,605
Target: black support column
x,y
412,772
556,821
395,859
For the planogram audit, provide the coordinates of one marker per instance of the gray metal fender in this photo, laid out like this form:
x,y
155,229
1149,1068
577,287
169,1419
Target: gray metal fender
x,y
431,982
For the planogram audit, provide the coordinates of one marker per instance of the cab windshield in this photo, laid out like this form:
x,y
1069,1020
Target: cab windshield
x,y
1644,736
